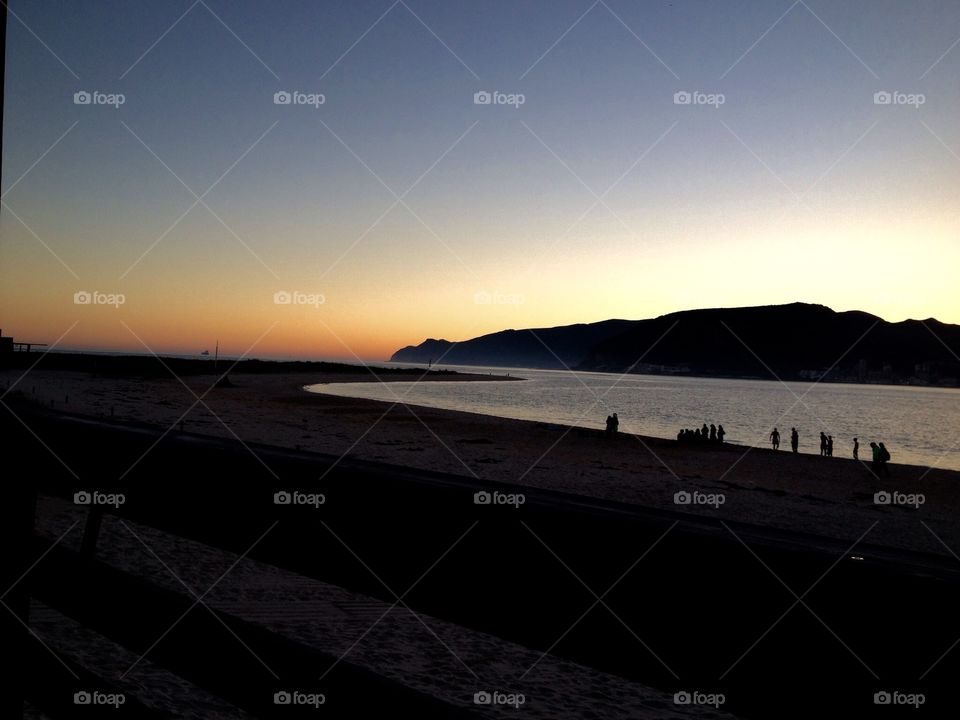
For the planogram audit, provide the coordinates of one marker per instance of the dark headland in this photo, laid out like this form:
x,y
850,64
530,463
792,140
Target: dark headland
x,y
795,342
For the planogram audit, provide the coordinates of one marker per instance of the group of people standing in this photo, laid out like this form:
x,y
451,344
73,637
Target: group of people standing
x,y
613,424
713,433
794,439
826,445
881,456
826,442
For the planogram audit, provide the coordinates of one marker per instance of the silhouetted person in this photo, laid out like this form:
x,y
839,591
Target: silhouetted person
x,y
704,431
794,439
856,449
823,443
875,461
720,433
829,445
884,459
613,424
680,436
713,432
775,439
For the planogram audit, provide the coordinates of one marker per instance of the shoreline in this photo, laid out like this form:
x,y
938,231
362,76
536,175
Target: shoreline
x,y
697,376
726,446
806,493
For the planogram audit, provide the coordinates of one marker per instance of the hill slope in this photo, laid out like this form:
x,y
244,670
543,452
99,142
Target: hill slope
x,y
792,341
537,348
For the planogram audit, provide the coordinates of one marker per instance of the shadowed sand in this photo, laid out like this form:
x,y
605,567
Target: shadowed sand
x,y
442,659
830,497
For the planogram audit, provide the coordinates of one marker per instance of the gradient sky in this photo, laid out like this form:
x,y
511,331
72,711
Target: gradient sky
x,y
799,187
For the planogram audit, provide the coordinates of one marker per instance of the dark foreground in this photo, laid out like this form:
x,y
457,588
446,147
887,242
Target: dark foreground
x,y
784,625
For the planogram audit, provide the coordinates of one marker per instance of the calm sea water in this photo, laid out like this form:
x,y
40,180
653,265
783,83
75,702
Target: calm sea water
x,y
919,425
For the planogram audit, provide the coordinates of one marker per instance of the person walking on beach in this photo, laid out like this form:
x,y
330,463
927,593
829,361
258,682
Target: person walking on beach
x,y
775,439
829,445
720,433
856,449
713,432
794,439
823,443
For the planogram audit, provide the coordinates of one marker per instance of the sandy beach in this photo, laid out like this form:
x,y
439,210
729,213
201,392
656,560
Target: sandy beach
x,y
515,606
832,497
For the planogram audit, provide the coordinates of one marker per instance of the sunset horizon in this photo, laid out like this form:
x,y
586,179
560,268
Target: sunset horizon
x,y
262,343
456,359
758,155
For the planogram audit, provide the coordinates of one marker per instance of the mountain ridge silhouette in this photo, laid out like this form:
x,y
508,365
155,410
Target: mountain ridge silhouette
x,y
792,341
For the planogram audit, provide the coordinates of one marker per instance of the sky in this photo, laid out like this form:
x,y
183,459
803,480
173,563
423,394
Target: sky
x,y
634,159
